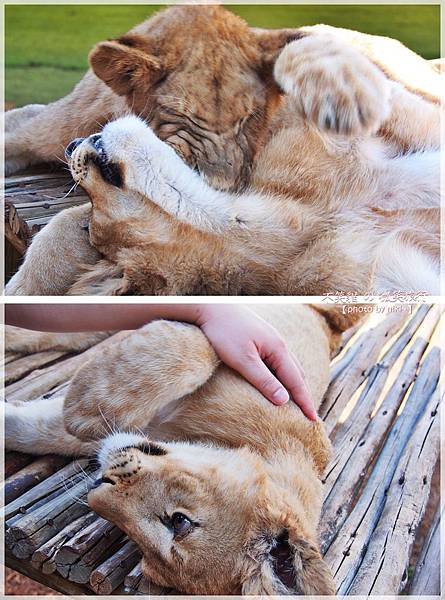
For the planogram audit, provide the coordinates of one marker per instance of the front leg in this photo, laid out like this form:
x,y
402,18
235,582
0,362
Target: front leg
x,y
36,427
344,77
334,86
137,379
153,170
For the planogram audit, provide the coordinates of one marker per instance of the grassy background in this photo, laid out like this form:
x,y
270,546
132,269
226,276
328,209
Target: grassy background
x,y
47,46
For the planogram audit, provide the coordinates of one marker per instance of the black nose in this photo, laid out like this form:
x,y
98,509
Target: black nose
x,y
72,146
94,484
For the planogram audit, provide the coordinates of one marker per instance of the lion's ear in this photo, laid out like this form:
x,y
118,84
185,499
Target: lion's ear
x,y
124,66
289,567
272,41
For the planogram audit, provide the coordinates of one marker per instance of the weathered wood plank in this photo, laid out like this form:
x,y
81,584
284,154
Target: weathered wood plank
x,y
11,357
384,566
28,533
64,476
16,485
106,578
52,580
344,554
354,452
88,549
14,461
426,578
136,584
25,179
41,381
44,556
362,358
24,365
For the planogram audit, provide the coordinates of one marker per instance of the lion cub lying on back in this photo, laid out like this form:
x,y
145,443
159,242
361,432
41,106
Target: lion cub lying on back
x,y
222,493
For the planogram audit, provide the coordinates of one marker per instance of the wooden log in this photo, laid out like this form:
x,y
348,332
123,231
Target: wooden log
x,y
136,584
343,387
426,578
347,339
54,483
43,557
354,452
17,484
344,555
133,579
148,588
51,580
14,461
30,532
17,242
111,573
30,203
34,179
81,570
11,356
344,359
87,550
378,374
47,498
385,564
24,365
41,381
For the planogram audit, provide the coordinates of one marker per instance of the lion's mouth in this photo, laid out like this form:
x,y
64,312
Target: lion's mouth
x,y
93,151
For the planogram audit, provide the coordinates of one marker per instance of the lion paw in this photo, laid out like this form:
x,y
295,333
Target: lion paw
x,y
337,88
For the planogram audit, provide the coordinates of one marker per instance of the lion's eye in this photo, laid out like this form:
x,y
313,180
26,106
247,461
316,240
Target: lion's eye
x,y
180,524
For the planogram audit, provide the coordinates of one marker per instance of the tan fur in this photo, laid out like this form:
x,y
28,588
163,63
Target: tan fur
x,y
25,341
218,451
225,114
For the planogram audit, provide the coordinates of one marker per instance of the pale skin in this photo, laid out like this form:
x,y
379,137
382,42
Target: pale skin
x,y
242,340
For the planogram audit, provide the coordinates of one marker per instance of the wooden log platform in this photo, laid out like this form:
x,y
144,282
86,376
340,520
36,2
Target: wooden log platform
x,y
382,414
31,200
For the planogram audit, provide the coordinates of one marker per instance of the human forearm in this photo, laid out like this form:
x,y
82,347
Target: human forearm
x,y
95,317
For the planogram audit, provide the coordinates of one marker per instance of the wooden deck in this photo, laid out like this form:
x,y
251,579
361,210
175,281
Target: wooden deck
x,y
31,200
380,525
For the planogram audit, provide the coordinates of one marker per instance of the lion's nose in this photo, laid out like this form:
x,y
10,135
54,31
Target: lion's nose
x,y
72,146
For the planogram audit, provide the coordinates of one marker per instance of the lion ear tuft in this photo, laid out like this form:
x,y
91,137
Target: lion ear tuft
x,y
290,568
124,66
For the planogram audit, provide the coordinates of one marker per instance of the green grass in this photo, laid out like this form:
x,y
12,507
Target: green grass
x,y
47,46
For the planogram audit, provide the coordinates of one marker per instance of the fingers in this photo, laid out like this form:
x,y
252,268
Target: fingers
x,y
291,375
257,373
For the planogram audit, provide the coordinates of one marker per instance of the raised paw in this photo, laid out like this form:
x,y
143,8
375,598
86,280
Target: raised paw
x,y
336,87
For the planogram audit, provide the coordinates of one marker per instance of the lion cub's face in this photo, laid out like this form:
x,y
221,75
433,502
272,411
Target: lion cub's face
x,y
202,79
201,518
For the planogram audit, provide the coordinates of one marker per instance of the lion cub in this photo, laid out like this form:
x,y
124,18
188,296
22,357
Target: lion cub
x,y
325,142
220,489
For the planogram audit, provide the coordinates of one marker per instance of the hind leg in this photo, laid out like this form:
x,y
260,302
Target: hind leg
x,y
134,380
18,116
37,428
44,136
57,256
26,341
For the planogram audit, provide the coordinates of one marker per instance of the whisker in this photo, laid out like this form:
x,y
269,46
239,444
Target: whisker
x,y
72,188
105,420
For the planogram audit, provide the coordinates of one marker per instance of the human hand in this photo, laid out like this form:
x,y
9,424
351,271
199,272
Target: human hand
x,y
249,345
